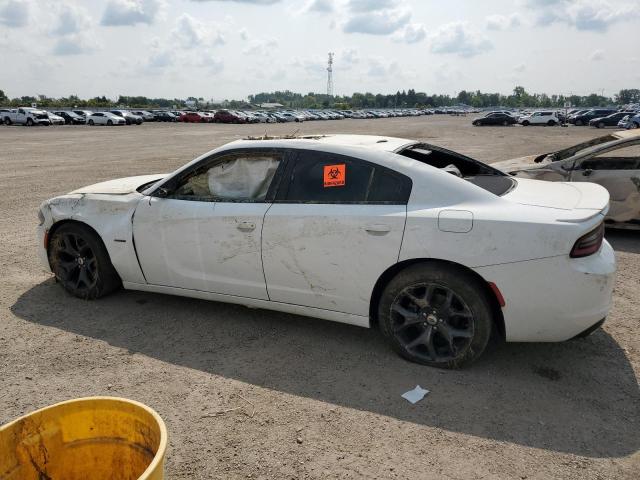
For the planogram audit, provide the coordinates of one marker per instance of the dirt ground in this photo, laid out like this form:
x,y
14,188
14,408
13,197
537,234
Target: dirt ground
x,y
320,399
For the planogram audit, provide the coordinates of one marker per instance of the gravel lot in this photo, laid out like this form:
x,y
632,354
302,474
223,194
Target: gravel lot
x,y
324,397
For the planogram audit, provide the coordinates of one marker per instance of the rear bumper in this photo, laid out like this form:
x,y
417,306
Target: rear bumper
x,y
554,299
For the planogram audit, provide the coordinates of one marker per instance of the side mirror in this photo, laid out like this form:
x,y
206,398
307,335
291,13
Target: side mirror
x,y
161,192
587,172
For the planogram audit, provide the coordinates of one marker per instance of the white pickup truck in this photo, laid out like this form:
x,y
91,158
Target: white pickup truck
x,y
25,116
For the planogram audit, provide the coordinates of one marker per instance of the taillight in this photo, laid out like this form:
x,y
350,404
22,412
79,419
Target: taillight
x,y
589,243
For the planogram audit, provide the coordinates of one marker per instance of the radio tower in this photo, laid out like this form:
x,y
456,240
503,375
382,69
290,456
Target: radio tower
x,y
330,75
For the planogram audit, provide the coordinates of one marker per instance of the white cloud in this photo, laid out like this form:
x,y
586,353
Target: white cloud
x,y
593,15
75,44
190,33
521,67
377,22
460,39
71,20
320,6
261,47
411,33
254,2
14,13
378,67
597,55
503,22
131,12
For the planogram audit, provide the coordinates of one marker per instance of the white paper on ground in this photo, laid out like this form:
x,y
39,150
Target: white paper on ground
x,y
415,395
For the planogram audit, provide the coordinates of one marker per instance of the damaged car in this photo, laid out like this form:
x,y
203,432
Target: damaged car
x,y
435,249
612,161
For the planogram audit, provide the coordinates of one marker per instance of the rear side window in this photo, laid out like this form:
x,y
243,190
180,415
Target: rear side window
x,y
319,177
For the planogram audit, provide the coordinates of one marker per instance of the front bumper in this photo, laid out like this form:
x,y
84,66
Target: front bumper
x,y
41,232
554,299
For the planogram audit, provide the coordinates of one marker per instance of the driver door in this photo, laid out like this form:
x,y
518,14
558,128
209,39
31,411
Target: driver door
x,y
203,231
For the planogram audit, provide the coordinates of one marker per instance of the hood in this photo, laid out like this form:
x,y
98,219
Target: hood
x,y
120,186
520,163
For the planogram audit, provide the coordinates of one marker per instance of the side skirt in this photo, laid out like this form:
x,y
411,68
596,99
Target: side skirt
x,y
357,320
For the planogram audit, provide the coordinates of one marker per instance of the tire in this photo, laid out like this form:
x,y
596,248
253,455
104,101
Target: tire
x,y
634,125
7,121
525,123
91,123
579,123
551,123
430,302
601,125
109,123
505,123
476,123
128,121
80,262
29,122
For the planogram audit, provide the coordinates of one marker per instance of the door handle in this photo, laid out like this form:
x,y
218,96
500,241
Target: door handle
x,y
246,226
377,229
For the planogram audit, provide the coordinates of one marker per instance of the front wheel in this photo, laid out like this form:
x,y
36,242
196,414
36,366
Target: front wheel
x,y
505,123
109,122
29,122
436,315
601,125
91,123
80,262
579,123
476,123
551,123
525,123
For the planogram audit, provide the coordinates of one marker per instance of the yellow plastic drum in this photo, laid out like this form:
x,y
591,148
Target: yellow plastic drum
x,y
97,438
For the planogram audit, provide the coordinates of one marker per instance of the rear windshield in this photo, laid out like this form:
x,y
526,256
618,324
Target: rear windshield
x,y
473,171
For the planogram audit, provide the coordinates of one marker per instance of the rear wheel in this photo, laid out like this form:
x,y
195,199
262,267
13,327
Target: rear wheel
x,y
7,121
505,123
632,126
579,123
81,263
436,315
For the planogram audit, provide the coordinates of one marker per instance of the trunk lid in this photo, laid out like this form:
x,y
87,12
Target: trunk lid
x,y
576,201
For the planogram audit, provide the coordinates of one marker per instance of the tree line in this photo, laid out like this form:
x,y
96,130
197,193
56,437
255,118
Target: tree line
x,y
401,99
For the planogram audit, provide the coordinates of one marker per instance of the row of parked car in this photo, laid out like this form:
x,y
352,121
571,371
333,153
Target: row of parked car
x,y
34,116
595,117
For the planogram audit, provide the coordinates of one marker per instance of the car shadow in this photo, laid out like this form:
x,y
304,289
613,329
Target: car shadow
x,y
624,240
579,397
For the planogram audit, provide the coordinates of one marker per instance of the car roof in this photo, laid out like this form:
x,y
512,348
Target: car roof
x,y
371,142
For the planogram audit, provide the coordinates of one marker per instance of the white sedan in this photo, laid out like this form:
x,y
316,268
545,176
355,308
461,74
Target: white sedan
x,y
105,118
436,249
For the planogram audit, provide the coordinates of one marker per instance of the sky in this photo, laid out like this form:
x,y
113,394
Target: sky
x,y
228,49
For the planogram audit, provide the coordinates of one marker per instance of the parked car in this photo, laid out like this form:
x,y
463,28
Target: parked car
x,y
546,117
55,119
612,161
105,118
146,116
193,117
71,118
26,116
164,116
497,118
631,121
83,113
585,117
228,116
129,118
362,219
608,121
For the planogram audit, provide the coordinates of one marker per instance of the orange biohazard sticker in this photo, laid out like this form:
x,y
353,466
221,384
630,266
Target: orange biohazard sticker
x,y
335,175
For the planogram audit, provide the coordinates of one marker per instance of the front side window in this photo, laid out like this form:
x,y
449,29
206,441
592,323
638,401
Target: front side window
x,y
240,177
320,177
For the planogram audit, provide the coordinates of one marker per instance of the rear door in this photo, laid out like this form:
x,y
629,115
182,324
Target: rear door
x,y
335,226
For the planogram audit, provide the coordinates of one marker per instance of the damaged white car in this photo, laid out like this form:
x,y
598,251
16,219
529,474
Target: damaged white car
x,y
612,161
436,249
